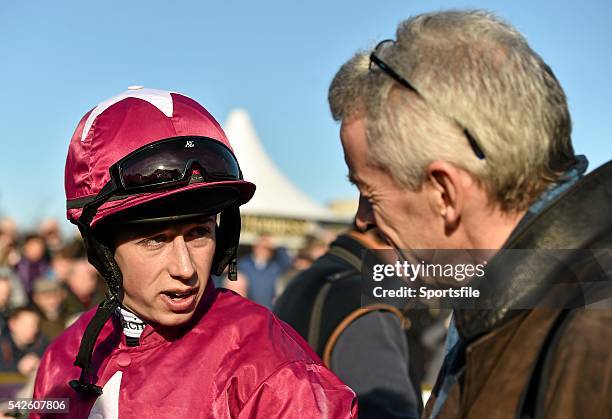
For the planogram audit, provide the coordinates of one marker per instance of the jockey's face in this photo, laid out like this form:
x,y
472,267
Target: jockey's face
x,y
165,268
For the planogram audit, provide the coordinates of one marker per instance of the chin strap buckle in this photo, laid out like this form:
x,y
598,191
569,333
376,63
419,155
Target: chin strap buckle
x,y
85,389
232,270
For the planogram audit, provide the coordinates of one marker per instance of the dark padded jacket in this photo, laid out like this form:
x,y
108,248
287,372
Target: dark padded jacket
x,y
371,354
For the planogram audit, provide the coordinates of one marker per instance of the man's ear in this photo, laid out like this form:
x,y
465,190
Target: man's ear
x,y
447,192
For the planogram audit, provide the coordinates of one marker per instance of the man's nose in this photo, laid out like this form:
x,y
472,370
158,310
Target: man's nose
x,y
365,216
181,267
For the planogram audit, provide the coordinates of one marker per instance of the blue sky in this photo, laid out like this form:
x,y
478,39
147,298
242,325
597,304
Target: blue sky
x,y
273,58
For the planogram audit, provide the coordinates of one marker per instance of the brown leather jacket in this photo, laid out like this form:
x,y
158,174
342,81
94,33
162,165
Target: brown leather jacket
x,y
544,362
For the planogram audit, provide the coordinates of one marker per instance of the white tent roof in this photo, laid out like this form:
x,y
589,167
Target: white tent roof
x,y
276,195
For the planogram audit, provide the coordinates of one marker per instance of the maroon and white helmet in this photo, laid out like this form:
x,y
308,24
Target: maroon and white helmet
x,y
127,122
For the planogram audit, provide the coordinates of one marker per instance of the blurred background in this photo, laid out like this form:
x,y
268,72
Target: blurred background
x,y
262,69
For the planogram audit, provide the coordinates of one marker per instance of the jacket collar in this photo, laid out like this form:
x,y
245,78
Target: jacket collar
x,y
576,219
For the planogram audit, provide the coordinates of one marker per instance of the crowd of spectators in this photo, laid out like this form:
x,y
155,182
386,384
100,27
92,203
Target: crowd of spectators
x,y
46,282
265,268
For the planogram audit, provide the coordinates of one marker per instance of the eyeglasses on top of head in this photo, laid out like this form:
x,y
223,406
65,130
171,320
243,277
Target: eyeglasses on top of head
x,y
389,71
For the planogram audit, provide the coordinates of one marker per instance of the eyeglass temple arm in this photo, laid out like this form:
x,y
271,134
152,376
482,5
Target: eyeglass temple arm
x,y
389,71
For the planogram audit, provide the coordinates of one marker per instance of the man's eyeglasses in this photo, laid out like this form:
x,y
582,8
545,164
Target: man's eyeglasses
x,y
375,59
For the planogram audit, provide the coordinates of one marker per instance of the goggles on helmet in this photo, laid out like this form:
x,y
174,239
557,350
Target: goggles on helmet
x,y
162,165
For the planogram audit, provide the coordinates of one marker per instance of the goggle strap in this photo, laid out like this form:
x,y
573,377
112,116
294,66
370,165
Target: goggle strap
x,y
89,210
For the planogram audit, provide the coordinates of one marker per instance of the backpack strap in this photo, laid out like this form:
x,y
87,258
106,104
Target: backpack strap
x,y
347,256
333,339
316,315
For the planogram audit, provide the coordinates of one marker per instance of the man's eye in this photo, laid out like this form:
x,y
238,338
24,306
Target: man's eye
x,y
366,198
154,241
201,231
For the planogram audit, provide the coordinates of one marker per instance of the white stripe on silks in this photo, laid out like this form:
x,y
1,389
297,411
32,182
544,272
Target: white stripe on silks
x,y
131,323
158,98
107,405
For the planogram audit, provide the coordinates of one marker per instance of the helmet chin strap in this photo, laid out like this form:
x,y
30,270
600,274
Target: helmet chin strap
x,y
83,385
228,234
101,257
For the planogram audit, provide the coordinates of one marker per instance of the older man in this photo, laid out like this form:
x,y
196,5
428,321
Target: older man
x,y
457,135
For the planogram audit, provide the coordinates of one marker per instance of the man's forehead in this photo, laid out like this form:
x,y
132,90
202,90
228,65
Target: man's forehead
x,y
164,225
353,131
354,143
132,231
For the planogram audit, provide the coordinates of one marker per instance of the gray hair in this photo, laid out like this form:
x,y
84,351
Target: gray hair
x,y
472,71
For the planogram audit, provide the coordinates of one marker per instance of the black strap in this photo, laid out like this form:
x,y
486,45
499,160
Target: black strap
x,y
90,209
228,234
316,315
347,256
83,360
101,257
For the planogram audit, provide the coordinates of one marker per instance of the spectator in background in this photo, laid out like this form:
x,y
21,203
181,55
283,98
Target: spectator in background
x,y
261,268
314,248
34,261
302,261
61,265
22,347
48,296
49,230
240,286
63,259
317,245
18,296
5,306
9,255
82,288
